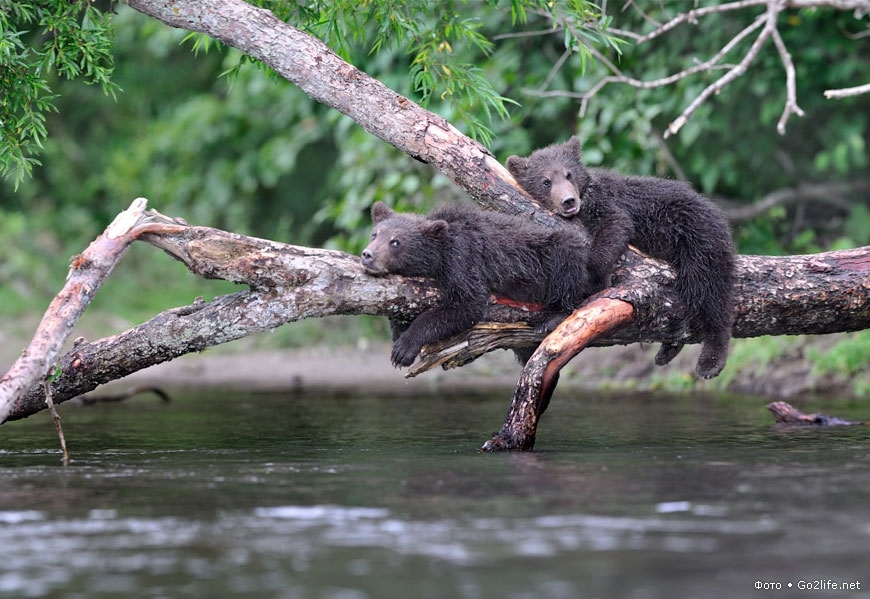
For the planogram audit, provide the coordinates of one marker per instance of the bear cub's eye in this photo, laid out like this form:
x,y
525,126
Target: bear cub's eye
x,y
546,182
568,175
394,243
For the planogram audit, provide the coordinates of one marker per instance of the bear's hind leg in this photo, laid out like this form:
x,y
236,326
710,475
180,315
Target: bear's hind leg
x,y
668,352
714,354
705,282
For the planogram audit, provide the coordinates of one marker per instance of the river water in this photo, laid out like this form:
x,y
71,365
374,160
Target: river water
x,y
230,495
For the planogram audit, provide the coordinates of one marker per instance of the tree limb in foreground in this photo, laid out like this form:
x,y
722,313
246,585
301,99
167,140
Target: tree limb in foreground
x,y
813,294
87,273
320,73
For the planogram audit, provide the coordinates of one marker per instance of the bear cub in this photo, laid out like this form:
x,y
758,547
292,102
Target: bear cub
x,y
471,253
663,218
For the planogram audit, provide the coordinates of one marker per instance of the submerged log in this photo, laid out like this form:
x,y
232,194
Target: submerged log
x,y
90,400
785,413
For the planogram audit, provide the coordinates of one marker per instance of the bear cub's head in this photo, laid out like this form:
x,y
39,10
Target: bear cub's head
x,y
404,244
553,176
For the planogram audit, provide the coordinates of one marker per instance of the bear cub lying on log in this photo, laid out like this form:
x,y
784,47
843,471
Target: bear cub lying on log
x,y
471,254
663,218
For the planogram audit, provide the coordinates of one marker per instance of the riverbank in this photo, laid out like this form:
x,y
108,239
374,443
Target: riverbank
x,y
785,371
775,367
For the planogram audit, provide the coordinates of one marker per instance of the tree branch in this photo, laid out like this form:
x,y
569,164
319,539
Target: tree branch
x,y
828,193
708,65
859,6
814,294
767,21
87,273
767,289
693,15
287,283
837,94
804,294
791,106
325,77
593,321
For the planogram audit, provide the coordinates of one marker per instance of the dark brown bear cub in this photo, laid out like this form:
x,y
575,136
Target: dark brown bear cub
x,y
663,218
471,254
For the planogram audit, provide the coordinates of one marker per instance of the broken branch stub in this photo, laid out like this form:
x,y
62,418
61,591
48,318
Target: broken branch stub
x,y
597,319
88,271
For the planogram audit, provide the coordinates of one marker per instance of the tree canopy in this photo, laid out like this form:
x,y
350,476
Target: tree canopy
x,y
269,159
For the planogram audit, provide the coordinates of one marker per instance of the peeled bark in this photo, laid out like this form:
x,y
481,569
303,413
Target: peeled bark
x,y
790,295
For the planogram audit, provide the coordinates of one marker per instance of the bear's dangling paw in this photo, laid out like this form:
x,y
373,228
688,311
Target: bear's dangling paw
x,y
711,361
667,352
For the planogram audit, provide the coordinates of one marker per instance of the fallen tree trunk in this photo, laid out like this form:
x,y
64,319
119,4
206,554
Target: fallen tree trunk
x,y
790,295
819,293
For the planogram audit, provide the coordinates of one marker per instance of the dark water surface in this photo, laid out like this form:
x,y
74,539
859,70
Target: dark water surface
x,y
278,496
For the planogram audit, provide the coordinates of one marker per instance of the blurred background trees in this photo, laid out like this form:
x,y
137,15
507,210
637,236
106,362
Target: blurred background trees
x,y
212,138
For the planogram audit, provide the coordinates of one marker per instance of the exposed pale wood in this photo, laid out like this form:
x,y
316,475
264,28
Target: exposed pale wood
x,y
598,318
775,295
87,273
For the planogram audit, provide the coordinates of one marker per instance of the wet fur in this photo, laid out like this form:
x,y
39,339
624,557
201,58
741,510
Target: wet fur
x,y
663,218
471,254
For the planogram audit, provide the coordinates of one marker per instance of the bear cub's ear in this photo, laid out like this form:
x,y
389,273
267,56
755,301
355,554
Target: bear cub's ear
x,y
380,212
574,148
434,229
516,165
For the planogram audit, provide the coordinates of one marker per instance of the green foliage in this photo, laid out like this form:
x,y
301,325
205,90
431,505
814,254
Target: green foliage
x,y
751,358
24,271
850,356
386,176
730,147
37,40
444,43
848,359
857,227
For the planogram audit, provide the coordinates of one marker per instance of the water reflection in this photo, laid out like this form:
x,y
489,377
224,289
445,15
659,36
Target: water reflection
x,y
271,497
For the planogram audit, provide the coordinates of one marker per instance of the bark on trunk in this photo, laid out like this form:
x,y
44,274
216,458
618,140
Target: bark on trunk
x,y
775,295
325,77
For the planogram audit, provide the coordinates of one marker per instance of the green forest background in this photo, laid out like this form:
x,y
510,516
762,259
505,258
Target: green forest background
x,y
210,137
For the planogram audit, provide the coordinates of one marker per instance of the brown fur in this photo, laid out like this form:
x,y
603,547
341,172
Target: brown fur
x,y
663,218
471,254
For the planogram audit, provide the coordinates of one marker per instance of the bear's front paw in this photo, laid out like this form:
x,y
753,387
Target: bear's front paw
x,y
709,366
404,353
